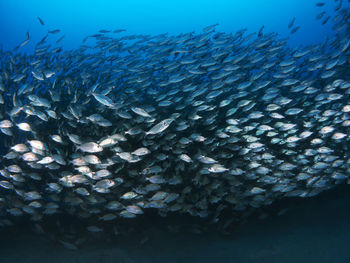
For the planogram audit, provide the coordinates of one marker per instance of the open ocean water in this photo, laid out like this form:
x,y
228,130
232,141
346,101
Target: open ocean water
x,y
174,131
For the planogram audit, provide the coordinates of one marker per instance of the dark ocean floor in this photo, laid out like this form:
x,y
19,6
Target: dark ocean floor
x,y
312,230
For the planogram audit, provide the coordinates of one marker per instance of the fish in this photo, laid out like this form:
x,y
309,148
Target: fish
x,y
320,15
134,209
26,41
90,147
41,21
209,28
207,124
160,127
103,100
291,23
320,4
141,151
326,20
141,112
260,33
116,31
43,40
104,31
60,39
68,245
295,29
54,31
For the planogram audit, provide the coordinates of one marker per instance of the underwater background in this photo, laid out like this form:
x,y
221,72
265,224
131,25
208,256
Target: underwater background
x,y
77,19
313,228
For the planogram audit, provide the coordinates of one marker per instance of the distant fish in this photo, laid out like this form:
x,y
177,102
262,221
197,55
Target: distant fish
x,y
320,4
291,23
208,28
320,15
41,21
96,35
295,29
260,33
55,31
118,31
326,20
25,42
60,39
68,245
42,41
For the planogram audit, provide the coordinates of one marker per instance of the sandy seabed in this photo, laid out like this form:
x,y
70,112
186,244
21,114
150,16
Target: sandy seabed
x,y
314,230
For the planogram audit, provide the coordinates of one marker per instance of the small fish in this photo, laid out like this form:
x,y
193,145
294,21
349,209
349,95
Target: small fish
x,y
6,124
60,39
141,151
211,27
104,100
25,42
36,144
43,40
160,127
108,217
55,31
326,20
134,209
260,33
141,112
6,185
217,168
118,31
68,245
90,147
129,195
24,126
291,23
320,15
127,214
320,4
295,29
94,229
41,21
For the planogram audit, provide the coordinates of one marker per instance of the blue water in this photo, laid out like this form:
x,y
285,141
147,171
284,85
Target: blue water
x,y
80,18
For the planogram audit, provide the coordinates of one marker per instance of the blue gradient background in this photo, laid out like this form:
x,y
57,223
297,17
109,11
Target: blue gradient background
x,y
78,18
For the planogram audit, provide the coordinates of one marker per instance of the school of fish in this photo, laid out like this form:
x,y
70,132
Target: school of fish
x,y
195,123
